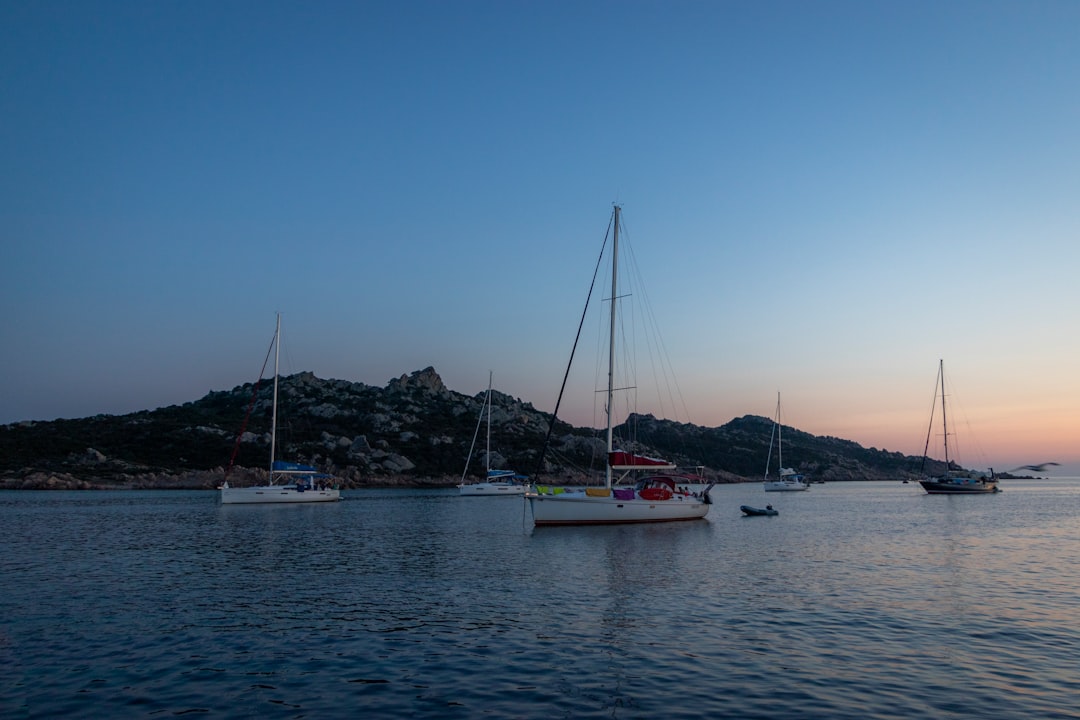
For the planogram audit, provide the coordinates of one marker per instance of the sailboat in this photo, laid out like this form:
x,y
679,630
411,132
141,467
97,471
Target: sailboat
x,y
289,482
951,482
789,479
498,482
654,498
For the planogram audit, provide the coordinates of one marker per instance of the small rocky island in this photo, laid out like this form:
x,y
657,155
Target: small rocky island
x,y
414,432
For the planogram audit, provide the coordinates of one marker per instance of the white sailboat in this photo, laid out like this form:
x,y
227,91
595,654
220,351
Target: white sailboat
x,y
654,498
788,479
498,482
952,482
298,483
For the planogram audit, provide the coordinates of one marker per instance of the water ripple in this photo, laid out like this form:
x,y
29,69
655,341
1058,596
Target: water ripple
x,y
863,600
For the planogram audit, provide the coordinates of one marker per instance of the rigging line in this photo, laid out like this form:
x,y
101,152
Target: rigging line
x,y
772,437
558,402
600,363
622,404
661,370
970,437
626,366
666,368
476,432
640,320
930,429
624,343
250,407
651,328
668,392
568,462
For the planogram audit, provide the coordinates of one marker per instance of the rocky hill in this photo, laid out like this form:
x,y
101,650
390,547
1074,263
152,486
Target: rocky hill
x,y
412,432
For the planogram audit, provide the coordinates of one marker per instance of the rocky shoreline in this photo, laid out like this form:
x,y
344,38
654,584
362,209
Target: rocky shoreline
x,y
211,480
194,480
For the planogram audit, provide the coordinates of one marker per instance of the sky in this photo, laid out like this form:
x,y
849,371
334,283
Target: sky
x,y
825,198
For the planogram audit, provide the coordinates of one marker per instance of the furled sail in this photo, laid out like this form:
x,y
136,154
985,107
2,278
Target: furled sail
x,y
288,467
628,461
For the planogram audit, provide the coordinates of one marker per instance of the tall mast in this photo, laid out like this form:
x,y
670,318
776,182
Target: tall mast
x,y
779,439
944,415
487,455
611,338
273,416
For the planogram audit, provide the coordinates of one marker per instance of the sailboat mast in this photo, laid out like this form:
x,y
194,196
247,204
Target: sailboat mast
x,y
273,416
611,338
487,455
779,440
768,458
944,415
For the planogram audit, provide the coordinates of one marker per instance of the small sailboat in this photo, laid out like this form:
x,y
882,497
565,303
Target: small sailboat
x,y
951,482
654,498
289,482
788,479
498,482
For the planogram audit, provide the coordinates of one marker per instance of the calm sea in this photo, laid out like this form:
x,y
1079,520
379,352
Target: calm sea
x,y
860,600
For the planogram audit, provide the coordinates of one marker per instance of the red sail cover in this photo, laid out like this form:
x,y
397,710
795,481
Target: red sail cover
x,y
628,461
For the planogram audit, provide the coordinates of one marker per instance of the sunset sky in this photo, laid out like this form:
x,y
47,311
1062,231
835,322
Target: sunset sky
x,y
825,198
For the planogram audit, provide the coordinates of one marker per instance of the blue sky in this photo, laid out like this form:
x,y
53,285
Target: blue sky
x,y
826,198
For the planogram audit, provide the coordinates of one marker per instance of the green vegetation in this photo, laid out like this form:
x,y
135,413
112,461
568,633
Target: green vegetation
x,y
414,427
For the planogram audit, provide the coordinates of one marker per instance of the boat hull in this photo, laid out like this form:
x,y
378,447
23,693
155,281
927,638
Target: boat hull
x,y
581,509
753,511
485,488
784,486
952,487
276,494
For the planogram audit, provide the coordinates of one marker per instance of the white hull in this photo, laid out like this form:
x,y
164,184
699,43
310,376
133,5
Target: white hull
x,y
788,479
657,498
485,488
784,486
498,482
580,509
275,494
303,483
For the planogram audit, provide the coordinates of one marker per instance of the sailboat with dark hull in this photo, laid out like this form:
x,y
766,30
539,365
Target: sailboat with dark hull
x,y
951,482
